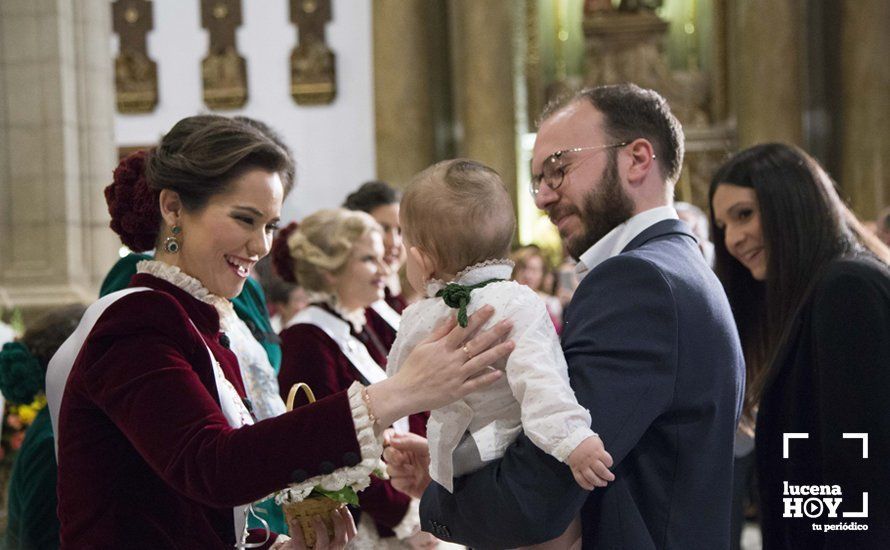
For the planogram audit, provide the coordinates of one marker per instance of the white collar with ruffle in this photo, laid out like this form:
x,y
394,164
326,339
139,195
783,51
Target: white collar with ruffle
x,y
182,280
355,318
476,273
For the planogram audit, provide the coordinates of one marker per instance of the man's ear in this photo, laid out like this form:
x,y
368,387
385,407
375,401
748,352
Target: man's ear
x,y
642,161
424,261
171,207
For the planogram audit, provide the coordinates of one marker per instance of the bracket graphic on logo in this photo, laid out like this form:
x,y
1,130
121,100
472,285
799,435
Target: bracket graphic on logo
x,y
788,436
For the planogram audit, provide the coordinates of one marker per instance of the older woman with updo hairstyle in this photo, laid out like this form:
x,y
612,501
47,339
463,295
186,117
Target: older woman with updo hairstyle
x,y
157,447
337,256
31,520
810,290
381,201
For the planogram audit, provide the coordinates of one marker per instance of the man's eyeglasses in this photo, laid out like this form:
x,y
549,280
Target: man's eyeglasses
x,y
554,169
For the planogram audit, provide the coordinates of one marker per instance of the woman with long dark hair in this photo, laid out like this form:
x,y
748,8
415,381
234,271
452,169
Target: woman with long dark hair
x,y
810,291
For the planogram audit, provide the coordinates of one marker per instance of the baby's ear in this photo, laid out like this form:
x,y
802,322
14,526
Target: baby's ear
x,y
424,261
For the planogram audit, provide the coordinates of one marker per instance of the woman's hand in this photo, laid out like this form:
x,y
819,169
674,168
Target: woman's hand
x,y
449,364
344,531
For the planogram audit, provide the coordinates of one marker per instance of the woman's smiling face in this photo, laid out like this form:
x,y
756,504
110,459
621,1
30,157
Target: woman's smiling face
x,y
222,241
737,214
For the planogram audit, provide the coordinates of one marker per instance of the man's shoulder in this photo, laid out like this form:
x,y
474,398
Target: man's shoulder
x,y
620,270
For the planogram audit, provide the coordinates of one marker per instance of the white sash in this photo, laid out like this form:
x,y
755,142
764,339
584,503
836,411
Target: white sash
x,y
354,350
388,314
62,362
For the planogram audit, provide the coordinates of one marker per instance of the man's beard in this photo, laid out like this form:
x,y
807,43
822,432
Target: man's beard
x,y
604,209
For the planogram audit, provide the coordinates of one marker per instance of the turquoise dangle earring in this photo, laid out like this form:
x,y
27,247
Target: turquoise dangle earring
x,y
171,244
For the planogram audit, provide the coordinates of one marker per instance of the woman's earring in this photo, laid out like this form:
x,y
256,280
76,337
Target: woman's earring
x,y
171,244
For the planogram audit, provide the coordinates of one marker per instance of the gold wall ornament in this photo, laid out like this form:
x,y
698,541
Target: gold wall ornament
x,y
135,75
224,70
627,44
313,68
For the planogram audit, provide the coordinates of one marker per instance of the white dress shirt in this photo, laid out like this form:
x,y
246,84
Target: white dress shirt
x,y
615,240
534,396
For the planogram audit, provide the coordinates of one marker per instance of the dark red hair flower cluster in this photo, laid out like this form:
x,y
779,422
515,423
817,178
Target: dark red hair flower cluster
x,y
133,205
281,256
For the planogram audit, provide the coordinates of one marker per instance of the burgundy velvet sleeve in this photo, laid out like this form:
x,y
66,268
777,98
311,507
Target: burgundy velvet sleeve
x,y
417,423
141,376
309,355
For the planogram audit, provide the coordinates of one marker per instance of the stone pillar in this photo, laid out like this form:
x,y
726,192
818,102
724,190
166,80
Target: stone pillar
x,y
865,98
405,87
483,86
56,151
767,52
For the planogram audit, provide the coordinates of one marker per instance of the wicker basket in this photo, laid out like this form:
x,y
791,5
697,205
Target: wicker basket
x,y
299,514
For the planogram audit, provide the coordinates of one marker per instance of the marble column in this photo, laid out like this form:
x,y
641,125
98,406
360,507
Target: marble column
x,y
865,105
56,151
483,83
404,87
768,78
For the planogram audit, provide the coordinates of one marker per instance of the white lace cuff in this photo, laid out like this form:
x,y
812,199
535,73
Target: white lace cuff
x,y
280,541
359,476
562,451
410,524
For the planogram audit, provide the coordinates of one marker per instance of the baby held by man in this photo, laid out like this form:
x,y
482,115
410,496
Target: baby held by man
x,y
458,223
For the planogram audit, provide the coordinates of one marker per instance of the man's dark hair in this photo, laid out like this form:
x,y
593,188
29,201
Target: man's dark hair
x,y
371,195
633,112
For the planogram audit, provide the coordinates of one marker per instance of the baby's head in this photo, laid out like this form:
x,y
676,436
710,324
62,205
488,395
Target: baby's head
x,y
454,214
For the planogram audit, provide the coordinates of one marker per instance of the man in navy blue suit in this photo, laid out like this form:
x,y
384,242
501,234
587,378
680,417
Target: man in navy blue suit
x,y
650,342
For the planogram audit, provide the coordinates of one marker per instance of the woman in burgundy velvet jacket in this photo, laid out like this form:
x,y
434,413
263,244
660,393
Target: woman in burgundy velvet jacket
x,y
338,257
156,445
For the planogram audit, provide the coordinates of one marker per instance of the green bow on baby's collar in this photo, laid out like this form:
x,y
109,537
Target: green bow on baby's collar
x,y
458,297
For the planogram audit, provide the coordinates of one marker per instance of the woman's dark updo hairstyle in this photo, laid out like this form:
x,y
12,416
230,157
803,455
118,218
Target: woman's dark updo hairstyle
x,y
370,195
198,159
23,363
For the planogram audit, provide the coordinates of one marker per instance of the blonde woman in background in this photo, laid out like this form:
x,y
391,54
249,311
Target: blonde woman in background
x,y
337,256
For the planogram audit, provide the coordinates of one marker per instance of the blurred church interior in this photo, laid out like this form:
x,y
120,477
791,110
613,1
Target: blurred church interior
x,y
380,89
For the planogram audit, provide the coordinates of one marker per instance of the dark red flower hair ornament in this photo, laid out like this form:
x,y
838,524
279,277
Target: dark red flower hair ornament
x,y
135,214
282,260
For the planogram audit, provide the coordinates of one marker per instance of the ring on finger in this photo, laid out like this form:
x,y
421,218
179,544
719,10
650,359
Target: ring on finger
x,y
467,352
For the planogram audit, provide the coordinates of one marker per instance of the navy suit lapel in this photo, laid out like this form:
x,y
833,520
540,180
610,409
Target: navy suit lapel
x,y
660,229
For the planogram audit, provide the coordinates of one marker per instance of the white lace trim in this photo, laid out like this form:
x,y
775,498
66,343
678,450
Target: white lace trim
x,y
359,476
186,282
355,318
280,541
410,524
476,273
